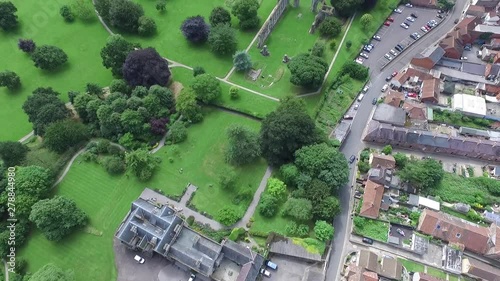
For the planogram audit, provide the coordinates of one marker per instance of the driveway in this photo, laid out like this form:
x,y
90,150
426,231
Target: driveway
x,y
406,230
289,269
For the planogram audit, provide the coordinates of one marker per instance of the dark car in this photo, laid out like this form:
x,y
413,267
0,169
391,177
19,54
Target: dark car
x,y
398,48
414,15
456,21
439,16
367,240
352,159
374,101
388,78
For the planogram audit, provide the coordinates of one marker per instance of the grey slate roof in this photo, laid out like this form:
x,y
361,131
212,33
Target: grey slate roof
x,y
473,68
492,217
389,114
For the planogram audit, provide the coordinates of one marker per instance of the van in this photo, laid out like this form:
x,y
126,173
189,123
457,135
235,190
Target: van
x,y
385,88
271,265
361,97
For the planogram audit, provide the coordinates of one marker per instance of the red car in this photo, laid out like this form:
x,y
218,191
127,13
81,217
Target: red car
x,y
387,23
412,95
390,19
394,73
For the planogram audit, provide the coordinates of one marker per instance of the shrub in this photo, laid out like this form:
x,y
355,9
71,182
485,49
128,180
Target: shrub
x,y
276,188
242,61
234,93
190,220
222,40
348,44
9,79
387,150
49,57
178,132
318,49
355,70
26,45
323,231
290,174
330,27
363,167
297,230
333,45
147,26
219,15
66,13
227,178
161,5
268,206
197,70
227,216
102,146
114,165
236,233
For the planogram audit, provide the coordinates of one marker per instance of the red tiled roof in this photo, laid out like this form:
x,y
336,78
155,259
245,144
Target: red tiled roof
x,y
372,199
454,230
415,110
475,8
383,161
369,276
394,98
427,277
430,89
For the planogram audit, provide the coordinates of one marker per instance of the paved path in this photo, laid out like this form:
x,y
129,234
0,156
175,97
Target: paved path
x,y
255,201
6,268
23,139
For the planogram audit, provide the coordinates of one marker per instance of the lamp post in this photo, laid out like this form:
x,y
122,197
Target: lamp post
x,y
251,254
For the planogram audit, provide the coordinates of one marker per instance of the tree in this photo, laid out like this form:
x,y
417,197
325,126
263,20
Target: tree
x,y
26,45
132,121
188,106
243,145
445,4
147,26
114,165
115,52
276,188
145,67
268,205
285,130
102,7
125,14
354,70
346,8
219,15
49,57
227,178
327,209
158,126
330,27
307,70
10,80
401,160
206,88
227,216
159,102
195,29
94,89
242,61
84,10
289,174
57,217
51,272
62,135
119,86
318,49
366,21
323,231
161,5
298,208
323,162
66,13
348,44
12,153
197,70
234,93
363,167
423,174
43,108
246,12
178,132
316,190
8,17
387,150
222,40
142,163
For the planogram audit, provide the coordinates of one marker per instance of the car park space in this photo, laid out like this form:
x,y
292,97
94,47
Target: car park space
x,y
384,50
401,233
290,269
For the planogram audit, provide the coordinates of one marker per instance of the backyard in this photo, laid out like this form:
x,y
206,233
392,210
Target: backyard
x,y
375,229
41,22
412,266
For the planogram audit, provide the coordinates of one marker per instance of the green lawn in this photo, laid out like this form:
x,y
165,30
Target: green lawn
x,y
201,158
266,225
247,102
411,265
41,22
170,42
374,229
436,272
291,36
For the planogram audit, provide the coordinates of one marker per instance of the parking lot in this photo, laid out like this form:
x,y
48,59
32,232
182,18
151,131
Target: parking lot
x,y
290,269
395,34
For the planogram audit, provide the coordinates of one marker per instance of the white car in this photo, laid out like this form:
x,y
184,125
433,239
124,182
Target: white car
x,y
265,272
397,11
359,60
365,89
387,56
139,259
356,106
376,37
409,5
394,53
423,29
385,88
363,55
404,25
410,19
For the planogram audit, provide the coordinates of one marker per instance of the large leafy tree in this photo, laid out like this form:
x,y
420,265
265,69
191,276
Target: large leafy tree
x,y
276,188
125,14
142,163
366,21
330,27
159,102
327,209
57,217
51,272
146,67
12,153
10,80
242,61
268,205
246,12
219,15
115,52
307,70
323,162
44,107
243,146
346,8
188,106
285,130
222,40
227,216
298,208
206,88
423,174
33,181
8,17
323,231
49,57
102,7
195,29
132,121
147,26
62,135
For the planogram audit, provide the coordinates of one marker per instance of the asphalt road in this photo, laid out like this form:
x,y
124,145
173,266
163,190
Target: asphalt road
x,y
353,144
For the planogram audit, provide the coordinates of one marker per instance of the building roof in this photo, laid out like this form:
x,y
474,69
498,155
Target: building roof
x,y
454,230
286,247
475,8
404,75
369,276
378,160
389,114
469,104
430,89
481,270
474,68
415,110
394,98
368,260
391,268
372,199
487,28
473,132
420,276
433,54
491,216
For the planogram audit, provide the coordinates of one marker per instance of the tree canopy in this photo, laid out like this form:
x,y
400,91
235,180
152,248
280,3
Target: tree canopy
x,y
49,57
227,216
307,70
243,145
115,52
188,106
219,15
327,209
366,21
195,29
62,135
44,107
142,163
330,27
423,174
124,15
206,88
346,8
9,79
13,153
57,217
145,67
147,26
285,130
8,17
298,208
222,39
246,12
26,45
323,231
268,205
242,61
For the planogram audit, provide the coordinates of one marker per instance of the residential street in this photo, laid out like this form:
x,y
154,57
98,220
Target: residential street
x,y
353,143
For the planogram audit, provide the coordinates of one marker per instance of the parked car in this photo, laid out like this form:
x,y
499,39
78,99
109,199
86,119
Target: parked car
x,y
352,159
427,28
401,46
440,12
423,29
385,88
360,97
359,60
265,272
390,19
363,55
412,36
410,19
398,11
412,95
387,23
387,56
439,16
394,74
456,21
376,37
402,233
356,106
365,89
388,78
398,48
374,101
404,25
414,15
367,240
409,5
192,277
271,265
139,259
463,58
348,117
394,53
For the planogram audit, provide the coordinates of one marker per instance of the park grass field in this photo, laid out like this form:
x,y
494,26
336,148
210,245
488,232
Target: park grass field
x,y
170,42
106,199
201,158
291,37
247,102
40,21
